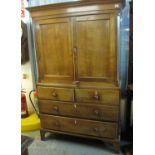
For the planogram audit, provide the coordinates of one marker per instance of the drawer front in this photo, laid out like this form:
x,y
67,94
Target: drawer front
x,y
89,111
58,94
98,95
79,126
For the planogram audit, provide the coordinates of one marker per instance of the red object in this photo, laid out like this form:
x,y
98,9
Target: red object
x,y
35,94
24,110
22,9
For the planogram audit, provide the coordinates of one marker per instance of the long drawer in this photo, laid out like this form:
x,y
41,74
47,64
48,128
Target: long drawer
x,y
79,126
106,96
57,94
89,111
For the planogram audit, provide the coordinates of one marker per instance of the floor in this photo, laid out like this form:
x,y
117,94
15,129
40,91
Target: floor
x,y
67,145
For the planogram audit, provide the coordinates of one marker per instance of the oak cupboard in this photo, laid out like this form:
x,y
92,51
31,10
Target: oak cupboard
x,y
77,58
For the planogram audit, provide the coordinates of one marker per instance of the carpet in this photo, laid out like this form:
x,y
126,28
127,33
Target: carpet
x,y
69,145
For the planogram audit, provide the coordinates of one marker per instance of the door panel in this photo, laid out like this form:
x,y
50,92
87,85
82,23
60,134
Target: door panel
x,y
55,46
95,55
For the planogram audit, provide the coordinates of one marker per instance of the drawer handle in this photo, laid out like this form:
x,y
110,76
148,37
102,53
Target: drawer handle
x,y
56,108
54,93
95,129
96,95
96,112
75,122
57,124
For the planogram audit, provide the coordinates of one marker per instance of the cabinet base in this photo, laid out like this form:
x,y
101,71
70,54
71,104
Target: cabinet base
x,y
115,142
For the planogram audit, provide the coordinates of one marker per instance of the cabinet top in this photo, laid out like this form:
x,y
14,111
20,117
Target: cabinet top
x,y
74,4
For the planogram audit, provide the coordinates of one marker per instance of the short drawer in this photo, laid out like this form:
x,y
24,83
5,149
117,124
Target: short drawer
x,y
80,126
89,111
58,94
106,96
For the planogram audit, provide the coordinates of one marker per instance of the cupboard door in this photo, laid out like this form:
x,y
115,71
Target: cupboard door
x,y
54,49
95,44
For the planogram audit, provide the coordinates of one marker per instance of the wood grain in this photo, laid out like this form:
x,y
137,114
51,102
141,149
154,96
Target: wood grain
x,y
55,49
77,59
92,43
80,110
95,128
58,94
109,97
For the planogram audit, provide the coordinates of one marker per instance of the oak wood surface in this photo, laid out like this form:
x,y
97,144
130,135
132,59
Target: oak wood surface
x,y
93,42
82,84
60,94
55,49
80,110
109,97
114,141
74,125
109,140
79,42
77,58
51,8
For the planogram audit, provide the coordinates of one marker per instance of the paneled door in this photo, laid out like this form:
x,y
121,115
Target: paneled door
x,y
54,49
95,48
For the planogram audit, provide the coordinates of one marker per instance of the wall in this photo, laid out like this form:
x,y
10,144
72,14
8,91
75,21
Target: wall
x,y
27,82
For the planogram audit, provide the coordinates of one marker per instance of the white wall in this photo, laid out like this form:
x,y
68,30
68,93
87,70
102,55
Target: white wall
x,y
27,84
26,69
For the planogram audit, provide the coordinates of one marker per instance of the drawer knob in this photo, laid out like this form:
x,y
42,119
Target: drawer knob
x,y
96,112
75,106
116,5
95,129
54,93
56,124
96,95
56,108
75,122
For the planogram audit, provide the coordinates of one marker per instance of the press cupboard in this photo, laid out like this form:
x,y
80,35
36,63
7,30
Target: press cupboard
x,y
77,58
